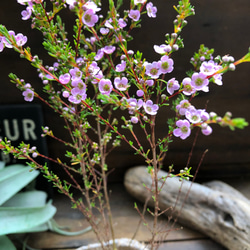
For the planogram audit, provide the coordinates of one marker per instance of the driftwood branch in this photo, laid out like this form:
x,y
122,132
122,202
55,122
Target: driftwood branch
x,y
215,208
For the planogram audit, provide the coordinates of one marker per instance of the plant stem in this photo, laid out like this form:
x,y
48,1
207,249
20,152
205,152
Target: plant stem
x,y
105,184
155,183
84,172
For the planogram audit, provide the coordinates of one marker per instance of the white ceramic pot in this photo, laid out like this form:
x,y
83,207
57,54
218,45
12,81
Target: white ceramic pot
x,y
121,244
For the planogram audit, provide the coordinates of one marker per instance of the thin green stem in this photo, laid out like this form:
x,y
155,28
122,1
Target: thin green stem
x,y
155,183
105,184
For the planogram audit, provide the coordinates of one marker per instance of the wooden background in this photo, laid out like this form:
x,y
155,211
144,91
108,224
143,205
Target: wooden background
x,y
219,24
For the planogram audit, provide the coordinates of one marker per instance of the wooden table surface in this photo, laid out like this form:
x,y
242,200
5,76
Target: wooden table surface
x,y
125,219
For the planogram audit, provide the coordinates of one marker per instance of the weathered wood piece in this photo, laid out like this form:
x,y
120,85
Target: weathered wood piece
x,y
215,209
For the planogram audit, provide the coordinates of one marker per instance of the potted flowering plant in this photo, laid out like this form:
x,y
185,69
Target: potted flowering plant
x,y
96,75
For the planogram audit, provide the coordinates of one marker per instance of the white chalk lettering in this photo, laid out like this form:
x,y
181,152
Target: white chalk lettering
x,y
15,131
28,129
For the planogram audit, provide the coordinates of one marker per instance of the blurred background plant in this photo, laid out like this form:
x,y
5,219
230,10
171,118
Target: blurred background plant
x,y
23,209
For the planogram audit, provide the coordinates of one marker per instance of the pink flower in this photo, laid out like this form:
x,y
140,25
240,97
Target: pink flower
x,y
28,95
121,83
134,104
105,86
64,79
134,15
150,82
22,2
26,14
209,68
71,3
79,84
99,54
206,129
65,94
75,73
172,85
91,5
6,43
97,77
199,81
166,64
134,119
29,1
139,92
109,49
151,10
93,68
108,23
34,154
77,95
90,18
183,130
183,106
153,70
193,115
20,39
150,108
121,67
104,31
162,49
188,89
139,1
204,114
122,23
1,44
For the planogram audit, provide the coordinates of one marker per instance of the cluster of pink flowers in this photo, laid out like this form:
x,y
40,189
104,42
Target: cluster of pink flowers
x,y
193,117
199,81
26,14
155,69
77,92
19,38
76,80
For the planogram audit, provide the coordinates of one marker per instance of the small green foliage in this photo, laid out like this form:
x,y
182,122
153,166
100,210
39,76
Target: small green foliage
x,y
185,174
239,123
204,53
150,212
135,205
150,169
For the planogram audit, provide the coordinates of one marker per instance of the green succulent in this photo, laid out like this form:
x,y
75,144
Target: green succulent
x,y
24,211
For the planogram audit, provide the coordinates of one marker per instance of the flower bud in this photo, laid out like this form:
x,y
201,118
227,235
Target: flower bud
x,y
174,35
175,47
231,67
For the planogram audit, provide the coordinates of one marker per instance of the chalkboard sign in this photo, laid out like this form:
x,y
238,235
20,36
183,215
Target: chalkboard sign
x,y
23,123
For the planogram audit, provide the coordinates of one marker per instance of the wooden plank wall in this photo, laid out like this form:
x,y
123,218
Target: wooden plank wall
x,y
222,24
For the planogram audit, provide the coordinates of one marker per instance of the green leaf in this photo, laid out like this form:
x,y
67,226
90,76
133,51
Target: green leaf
x,y
2,164
27,199
6,243
135,205
239,123
54,227
19,220
13,179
